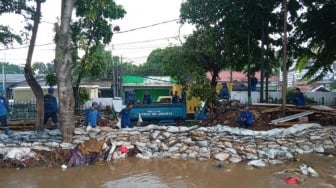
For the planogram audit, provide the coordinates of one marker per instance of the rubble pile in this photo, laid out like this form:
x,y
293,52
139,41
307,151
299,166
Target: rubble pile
x,y
226,112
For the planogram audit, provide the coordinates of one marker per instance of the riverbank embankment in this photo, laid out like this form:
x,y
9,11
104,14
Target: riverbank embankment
x,y
223,143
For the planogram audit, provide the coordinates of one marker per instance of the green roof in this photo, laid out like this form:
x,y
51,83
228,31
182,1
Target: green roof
x,y
133,79
147,79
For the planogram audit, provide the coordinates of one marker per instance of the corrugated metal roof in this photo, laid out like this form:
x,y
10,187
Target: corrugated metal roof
x,y
12,79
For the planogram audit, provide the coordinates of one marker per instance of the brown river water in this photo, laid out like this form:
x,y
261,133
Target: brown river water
x,y
162,173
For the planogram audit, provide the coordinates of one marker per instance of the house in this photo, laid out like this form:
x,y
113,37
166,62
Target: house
x,y
239,80
10,80
22,93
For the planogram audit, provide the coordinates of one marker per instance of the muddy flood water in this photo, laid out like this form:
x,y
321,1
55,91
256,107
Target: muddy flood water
x,y
133,172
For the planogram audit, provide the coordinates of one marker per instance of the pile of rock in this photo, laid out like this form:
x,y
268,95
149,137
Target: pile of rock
x,y
220,142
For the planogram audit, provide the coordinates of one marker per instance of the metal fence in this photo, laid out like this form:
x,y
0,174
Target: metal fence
x,y
22,110
27,110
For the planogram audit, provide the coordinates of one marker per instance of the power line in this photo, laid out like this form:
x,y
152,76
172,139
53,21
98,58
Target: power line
x,y
22,47
151,40
144,27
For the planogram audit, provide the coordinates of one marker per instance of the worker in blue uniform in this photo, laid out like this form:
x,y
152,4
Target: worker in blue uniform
x,y
254,82
224,93
4,109
91,116
147,99
50,108
175,98
298,98
131,97
245,119
125,116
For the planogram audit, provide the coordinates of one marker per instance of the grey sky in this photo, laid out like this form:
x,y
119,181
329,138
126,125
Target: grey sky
x,y
132,46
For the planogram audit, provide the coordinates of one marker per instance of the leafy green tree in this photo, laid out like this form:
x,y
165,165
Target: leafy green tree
x,y
316,35
90,32
12,68
51,79
7,35
39,68
154,63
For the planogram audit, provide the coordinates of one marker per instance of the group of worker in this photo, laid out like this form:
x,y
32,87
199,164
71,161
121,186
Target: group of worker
x,y
245,118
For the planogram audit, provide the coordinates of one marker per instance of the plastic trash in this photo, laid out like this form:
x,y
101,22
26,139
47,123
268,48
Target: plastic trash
x,y
119,123
63,166
123,149
219,165
291,180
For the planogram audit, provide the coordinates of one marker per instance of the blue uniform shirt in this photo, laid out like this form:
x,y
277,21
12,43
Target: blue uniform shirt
x,y
298,99
125,118
254,82
3,106
147,99
175,98
224,93
50,103
245,116
91,117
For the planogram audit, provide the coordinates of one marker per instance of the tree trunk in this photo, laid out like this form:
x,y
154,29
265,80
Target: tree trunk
x,y
76,90
284,66
28,71
214,78
63,64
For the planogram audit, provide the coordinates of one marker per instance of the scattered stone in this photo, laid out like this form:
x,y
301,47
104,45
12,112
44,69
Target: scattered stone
x,y
221,156
235,159
257,163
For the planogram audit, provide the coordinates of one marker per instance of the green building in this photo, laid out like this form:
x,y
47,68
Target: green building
x,y
155,85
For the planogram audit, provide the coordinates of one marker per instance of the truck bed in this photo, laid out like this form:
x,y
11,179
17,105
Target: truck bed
x,y
159,111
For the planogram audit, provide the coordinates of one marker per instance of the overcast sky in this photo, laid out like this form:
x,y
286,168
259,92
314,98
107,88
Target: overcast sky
x,y
133,46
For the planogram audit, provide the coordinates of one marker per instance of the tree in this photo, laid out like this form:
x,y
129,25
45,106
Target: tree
x,y
90,33
316,35
7,35
51,79
39,68
12,68
153,65
63,65
28,71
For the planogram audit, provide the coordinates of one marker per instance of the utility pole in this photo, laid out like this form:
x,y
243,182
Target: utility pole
x,y
284,66
113,79
120,76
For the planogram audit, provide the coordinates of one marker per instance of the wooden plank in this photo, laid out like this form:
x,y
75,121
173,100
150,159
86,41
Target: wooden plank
x,y
271,105
287,124
268,110
291,117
